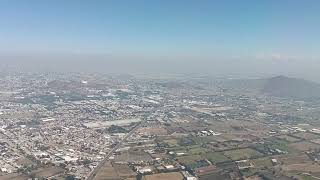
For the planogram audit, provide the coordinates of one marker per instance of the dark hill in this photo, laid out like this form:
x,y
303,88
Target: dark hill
x,y
286,87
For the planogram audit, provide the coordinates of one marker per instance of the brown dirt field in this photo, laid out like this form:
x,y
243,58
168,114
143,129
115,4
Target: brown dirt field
x,y
13,176
172,142
160,156
288,138
293,159
306,135
304,146
49,171
107,172
124,170
164,176
306,167
238,154
262,162
24,161
253,178
153,131
172,129
229,136
317,141
131,156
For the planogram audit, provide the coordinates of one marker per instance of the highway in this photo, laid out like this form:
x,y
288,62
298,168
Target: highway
x,y
106,158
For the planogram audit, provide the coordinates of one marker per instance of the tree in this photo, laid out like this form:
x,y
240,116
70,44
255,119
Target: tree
x,y
70,177
32,175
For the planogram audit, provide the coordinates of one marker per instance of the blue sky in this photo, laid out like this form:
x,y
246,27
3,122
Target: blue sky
x,y
228,28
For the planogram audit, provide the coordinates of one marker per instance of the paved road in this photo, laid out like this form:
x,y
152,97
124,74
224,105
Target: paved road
x,y
106,158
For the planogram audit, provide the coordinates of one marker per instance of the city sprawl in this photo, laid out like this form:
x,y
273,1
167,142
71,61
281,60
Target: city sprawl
x,y
96,126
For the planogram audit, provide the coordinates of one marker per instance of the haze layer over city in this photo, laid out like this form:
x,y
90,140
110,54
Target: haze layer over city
x,y
159,90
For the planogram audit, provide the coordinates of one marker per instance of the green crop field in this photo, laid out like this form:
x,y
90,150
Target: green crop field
x,y
239,154
215,157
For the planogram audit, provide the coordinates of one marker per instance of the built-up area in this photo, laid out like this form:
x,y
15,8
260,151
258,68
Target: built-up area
x,y
94,126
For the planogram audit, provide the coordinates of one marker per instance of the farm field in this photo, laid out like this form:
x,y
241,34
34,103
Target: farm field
x,y
239,154
288,138
307,136
215,157
107,172
262,162
164,176
305,167
304,146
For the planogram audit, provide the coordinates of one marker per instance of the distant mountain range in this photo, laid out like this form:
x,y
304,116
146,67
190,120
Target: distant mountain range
x,y
279,86
282,86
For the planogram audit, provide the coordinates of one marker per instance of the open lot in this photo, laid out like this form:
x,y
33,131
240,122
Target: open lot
x,y
171,142
215,157
307,177
307,135
190,150
304,146
196,150
262,162
152,131
13,176
239,154
288,138
107,172
133,156
48,171
293,159
187,160
124,170
317,141
164,176
282,145
305,167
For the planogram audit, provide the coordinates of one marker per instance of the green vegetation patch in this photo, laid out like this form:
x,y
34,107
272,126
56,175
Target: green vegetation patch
x,y
215,157
203,140
273,144
189,160
239,154
304,146
190,150
283,146
262,162
193,161
307,177
197,150
288,138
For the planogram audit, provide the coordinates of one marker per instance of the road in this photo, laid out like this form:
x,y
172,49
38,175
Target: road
x,y
308,174
106,158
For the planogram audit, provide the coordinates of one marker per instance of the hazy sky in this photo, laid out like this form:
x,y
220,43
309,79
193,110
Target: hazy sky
x,y
259,30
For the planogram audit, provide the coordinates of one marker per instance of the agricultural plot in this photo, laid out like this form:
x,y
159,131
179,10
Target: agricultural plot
x,y
305,167
171,142
293,159
124,170
188,160
215,157
48,171
107,172
288,138
239,154
317,141
262,162
164,176
307,136
283,146
304,146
